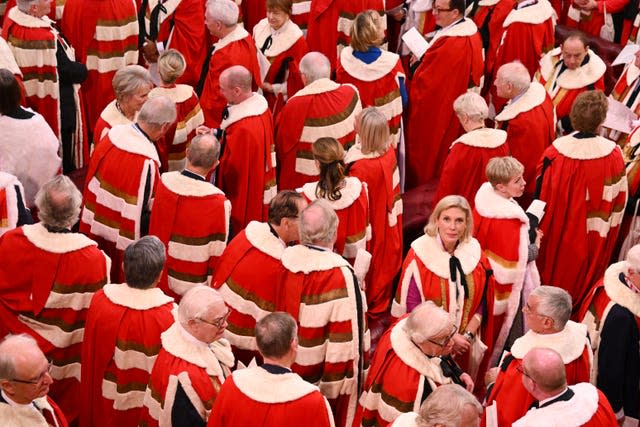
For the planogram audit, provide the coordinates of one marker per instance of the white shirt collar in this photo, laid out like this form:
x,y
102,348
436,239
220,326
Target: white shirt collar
x,y
16,404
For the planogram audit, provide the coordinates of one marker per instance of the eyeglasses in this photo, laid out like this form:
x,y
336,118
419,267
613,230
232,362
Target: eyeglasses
x,y
445,341
520,368
217,322
38,381
527,309
440,9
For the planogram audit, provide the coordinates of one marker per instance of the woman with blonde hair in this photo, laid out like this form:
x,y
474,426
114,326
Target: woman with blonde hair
x,y
372,161
173,145
347,195
377,73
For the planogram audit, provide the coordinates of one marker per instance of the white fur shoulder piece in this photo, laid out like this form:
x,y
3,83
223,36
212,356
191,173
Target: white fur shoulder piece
x,y
570,342
281,41
488,2
26,20
582,76
571,413
253,106
350,193
317,87
492,205
617,291
237,34
533,97
57,243
177,94
408,419
185,186
632,73
464,29
355,153
430,252
113,116
584,148
129,139
137,299
262,386
368,72
259,235
7,60
302,259
483,138
534,14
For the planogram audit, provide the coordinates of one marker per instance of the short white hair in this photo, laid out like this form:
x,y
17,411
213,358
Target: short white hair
x,y
158,111
224,11
315,66
318,223
555,303
471,104
517,75
427,321
196,302
444,406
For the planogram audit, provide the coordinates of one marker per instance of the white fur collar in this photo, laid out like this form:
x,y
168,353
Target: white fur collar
x,y
488,2
317,87
7,60
368,72
350,192
464,29
489,204
570,342
633,73
300,258
355,153
113,116
238,33
430,252
26,20
185,186
584,149
533,97
259,385
571,413
261,238
177,93
617,291
413,357
129,139
281,41
253,106
57,243
573,79
534,14
206,356
483,138
137,299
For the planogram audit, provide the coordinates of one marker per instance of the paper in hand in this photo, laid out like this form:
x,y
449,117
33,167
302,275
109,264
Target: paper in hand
x,y
619,117
415,42
626,55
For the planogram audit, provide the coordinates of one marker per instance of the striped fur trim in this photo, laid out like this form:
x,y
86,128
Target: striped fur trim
x,y
533,97
261,386
336,130
300,7
408,419
436,259
136,299
317,87
75,301
185,186
110,31
181,287
237,34
569,343
133,359
285,37
26,20
105,65
52,332
350,192
535,14
113,116
261,238
7,60
572,79
464,29
256,105
585,148
127,138
603,226
301,259
196,253
355,153
178,93
491,205
130,399
368,72
8,183
58,243
70,370
617,291
483,138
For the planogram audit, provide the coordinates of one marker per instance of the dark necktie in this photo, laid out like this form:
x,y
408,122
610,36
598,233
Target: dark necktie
x,y
267,44
204,71
153,26
454,268
634,94
141,24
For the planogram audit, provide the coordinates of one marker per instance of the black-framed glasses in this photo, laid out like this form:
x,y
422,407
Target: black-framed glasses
x,y
520,368
445,341
38,381
527,309
439,9
218,321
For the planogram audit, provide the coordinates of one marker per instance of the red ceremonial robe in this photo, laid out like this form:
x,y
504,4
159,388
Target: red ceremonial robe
x,y
622,92
254,396
191,217
247,172
321,109
236,48
354,231
432,127
631,158
380,173
502,228
104,34
508,393
10,192
531,127
587,408
114,202
324,297
24,415
584,185
189,116
378,84
185,366
565,88
528,34
397,380
246,277
252,12
300,13
591,22
464,168
46,284
110,117
122,341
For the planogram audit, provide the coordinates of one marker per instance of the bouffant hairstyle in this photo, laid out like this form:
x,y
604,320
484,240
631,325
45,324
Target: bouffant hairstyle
x,y
588,111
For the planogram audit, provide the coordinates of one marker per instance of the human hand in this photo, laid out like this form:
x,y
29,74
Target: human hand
x,y
202,129
491,376
468,382
150,51
460,344
539,235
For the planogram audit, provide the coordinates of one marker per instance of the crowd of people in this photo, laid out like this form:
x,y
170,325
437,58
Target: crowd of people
x,y
201,213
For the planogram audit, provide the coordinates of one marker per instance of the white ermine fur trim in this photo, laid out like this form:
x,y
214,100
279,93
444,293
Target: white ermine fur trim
x,y
25,415
570,342
300,258
178,93
261,238
573,79
617,291
584,148
350,192
408,419
483,138
491,205
534,14
238,33
137,299
533,97
26,20
9,182
632,73
57,243
317,87
7,60
464,29
355,153
127,138
285,37
368,72
262,386
113,117
253,106
185,186
436,259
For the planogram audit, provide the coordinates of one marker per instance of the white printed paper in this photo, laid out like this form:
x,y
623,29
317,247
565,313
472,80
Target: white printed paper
x,y
415,42
619,117
626,55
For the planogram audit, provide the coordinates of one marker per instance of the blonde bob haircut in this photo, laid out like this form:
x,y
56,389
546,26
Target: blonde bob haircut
x,y
171,66
472,105
373,130
448,202
365,31
501,170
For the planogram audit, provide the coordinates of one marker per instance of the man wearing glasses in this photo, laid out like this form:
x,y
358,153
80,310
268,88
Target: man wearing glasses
x,y
25,381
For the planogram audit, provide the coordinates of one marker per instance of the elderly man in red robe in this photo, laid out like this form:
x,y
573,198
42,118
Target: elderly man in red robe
x,y
432,125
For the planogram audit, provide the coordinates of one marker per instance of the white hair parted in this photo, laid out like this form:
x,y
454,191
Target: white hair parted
x,y
224,11
315,66
427,321
196,301
471,104
517,75
555,303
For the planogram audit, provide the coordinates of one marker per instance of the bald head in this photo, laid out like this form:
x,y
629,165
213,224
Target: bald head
x,y
517,75
318,224
237,76
315,66
545,367
202,153
21,358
